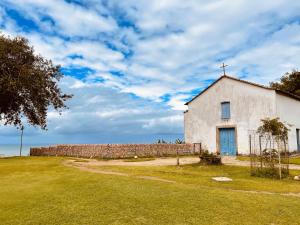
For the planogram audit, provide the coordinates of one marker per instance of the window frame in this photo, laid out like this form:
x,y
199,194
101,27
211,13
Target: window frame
x,y
225,110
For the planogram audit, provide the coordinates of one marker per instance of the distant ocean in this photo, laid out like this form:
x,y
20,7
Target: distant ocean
x,y
14,150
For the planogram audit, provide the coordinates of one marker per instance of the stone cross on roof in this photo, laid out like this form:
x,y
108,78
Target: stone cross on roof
x,y
223,66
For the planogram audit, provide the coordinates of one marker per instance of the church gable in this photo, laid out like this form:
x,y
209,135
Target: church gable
x,y
237,82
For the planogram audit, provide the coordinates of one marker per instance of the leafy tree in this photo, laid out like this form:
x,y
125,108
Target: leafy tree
x,y
290,82
272,156
178,141
28,84
161,141
274,127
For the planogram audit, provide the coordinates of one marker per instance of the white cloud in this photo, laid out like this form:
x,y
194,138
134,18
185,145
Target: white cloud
x,y
164,124
152,90
280,53
101,111
70,19
177,102
173,48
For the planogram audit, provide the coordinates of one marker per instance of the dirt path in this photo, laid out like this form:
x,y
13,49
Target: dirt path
x,y
155,162
84,166
267,193
232,161
227,160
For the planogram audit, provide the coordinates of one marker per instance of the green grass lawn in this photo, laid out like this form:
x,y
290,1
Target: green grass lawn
x,y
41,190
243,158
294,160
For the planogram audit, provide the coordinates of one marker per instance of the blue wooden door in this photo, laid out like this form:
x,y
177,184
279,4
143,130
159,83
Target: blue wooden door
x,y
227,141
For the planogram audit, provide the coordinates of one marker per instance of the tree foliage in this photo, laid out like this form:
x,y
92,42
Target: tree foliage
x,y
178,141
28,84
274,127
290,82
161,141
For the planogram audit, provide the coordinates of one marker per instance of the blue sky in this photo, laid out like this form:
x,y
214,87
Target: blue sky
x,y
132,64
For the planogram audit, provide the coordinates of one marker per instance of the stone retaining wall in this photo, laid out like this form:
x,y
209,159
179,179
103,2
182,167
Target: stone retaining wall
x,y
114,151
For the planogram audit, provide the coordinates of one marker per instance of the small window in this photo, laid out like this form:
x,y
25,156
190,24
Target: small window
x,y
225,107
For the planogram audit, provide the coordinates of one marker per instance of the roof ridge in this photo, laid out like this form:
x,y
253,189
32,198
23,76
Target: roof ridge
x,y
249,82
246,82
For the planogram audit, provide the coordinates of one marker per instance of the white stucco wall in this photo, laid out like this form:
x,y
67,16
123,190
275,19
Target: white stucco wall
x,y
248,105
288,110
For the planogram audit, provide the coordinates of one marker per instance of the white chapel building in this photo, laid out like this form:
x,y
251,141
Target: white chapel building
x,y
221,116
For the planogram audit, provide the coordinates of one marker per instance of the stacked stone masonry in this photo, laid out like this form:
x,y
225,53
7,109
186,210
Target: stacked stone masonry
x,y
115,151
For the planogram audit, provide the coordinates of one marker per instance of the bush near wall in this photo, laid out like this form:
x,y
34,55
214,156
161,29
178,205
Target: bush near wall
x,y
114,151
207,158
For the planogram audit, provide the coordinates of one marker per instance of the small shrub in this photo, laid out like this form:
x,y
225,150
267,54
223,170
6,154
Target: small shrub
x,y
270,173
161,141
207,158
273,160
270,167
178,141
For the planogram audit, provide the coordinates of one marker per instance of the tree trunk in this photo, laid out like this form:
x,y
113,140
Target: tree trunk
x,y
21,144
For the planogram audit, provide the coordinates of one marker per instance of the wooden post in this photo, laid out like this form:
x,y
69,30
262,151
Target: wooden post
x,y
200,150
177,158
279,159
261,163
286,156
251,157
21,145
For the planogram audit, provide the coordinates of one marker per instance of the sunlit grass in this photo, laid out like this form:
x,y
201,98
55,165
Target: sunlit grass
x,y
292,160
295,160
44,191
